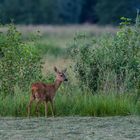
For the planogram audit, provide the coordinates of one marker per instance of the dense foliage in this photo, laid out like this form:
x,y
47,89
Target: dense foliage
x,y
109,63
66,11
110,11
19,62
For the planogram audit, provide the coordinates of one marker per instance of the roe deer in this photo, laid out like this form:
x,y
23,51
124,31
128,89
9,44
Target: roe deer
x,y
42,92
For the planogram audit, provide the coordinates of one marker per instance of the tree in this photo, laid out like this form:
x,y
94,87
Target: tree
x,y
88,13
69,10
109,12
20,64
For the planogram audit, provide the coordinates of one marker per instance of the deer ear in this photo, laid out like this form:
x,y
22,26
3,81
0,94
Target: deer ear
x,y
55,69
65,70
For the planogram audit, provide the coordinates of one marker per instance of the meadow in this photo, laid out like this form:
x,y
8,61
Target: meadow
x,y
74,98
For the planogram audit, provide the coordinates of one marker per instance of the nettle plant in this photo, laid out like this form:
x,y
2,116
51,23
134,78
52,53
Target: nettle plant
x,y
109,62
20,64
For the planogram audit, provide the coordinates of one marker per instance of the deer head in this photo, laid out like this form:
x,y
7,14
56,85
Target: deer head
x,y
60,75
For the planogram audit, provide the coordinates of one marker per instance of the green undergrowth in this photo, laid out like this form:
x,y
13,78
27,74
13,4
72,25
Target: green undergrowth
x,y
49,49
72,105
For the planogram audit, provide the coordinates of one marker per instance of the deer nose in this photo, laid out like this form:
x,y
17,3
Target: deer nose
x,y
66,80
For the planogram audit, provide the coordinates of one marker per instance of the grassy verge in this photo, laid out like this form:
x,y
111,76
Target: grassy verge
x,y
71,105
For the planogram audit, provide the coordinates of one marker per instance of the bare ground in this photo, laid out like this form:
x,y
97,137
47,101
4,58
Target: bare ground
x,y
70,128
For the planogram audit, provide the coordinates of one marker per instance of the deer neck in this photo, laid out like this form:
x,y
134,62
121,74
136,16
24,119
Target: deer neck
x,y
57,84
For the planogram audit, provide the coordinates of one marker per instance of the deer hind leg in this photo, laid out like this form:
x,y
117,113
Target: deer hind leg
x,y
37,107
30,103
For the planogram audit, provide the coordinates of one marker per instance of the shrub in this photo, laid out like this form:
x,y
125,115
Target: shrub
x,y
20,63
108,62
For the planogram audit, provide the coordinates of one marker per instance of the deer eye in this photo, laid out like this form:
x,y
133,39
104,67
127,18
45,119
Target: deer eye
x,y
61,75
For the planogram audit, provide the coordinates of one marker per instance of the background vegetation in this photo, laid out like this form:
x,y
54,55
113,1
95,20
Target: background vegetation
x,y
67,11
103,62
19,64
109,62
103,68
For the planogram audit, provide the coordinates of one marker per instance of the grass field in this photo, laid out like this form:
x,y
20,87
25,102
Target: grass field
x,y
70,100
72,104
54,40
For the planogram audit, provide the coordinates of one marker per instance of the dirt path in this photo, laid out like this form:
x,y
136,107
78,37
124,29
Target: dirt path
x,y
70,128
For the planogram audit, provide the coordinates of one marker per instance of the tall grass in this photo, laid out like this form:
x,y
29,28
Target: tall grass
x,y
98,105
71,105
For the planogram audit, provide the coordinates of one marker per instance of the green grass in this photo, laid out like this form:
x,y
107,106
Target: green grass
x,y
68,102
97,105
49,49
72,105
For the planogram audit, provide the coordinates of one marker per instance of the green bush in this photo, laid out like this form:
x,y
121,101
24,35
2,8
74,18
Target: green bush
x,y
109,62
20,63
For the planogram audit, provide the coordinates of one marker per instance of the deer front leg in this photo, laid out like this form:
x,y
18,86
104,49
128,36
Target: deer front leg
x,y
46,108
52,108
